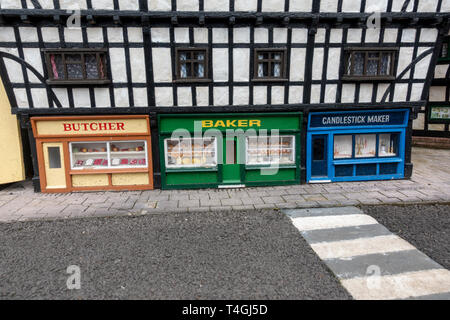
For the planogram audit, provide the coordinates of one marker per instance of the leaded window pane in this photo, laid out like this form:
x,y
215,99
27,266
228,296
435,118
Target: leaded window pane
x,y
358,63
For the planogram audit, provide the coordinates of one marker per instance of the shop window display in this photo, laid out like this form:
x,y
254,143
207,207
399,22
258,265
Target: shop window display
x,y
387,145
343,145
103,155
268,150
365,145
191,152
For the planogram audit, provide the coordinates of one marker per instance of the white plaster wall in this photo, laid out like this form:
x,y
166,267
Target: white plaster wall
x,y
10,4
421,67
390,35
419,123
200,35
74,4
427,6
372,35
300,5
428,35
273,5
39,97
335,35
445,7
330,93
334,59
184,95
81,98
406,54
365,92
400,92
118,66
436,127
202,96
351,5
320,36
315,93
260,95
328,5
103,4
220,96
376,5
299,35
121,98
95,34
382,87
397,6
137,62
279,35
159,5
102,97
240,95
163,96
354,35
135,35
140,97
50,34
115,35
129,5
162,67
241,64
187,5
277,95
21,98
160,35
182,35
295,94
7,34
13,68
33,57
62,96
241,35
245,5
73,35
28,34
216,5
409,35
220,64
416,91
348,93
317,64
297,67
220,35
440,71
437,93
261,35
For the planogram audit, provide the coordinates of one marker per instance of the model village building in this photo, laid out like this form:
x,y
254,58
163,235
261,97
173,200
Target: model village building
x,y
137,94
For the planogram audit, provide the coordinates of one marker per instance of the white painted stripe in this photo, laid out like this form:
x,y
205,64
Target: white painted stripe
x,y
362,246
328,222
401,286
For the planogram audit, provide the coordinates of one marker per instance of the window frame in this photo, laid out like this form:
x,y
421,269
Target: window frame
x,y
205,78
268,163
99,52
351,50
282,77
189,167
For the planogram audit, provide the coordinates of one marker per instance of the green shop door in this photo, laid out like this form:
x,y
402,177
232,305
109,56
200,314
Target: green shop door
x,y
231,169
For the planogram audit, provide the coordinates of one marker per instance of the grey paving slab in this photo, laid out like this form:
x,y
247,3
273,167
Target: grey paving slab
x,y
296,213
345,233
387,264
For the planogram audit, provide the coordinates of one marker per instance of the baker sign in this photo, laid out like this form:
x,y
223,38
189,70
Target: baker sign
x,y
94,126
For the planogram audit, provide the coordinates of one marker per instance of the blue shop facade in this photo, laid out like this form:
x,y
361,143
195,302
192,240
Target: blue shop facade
x,y
356,145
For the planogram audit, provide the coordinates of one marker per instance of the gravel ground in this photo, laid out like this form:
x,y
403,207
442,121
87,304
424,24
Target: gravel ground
x,y
220,255
427,227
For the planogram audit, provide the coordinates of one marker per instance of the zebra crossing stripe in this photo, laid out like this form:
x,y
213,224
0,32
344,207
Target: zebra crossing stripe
x,y
370,261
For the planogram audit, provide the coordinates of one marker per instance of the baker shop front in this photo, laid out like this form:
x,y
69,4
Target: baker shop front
x,y
93,153
229,150
356,145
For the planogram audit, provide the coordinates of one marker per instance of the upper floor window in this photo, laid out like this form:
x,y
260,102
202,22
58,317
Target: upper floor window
x,y
444,54
369,63
73,66
270,64
192,64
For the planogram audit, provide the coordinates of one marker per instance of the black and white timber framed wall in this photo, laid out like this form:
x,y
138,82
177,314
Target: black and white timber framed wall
x,y
142,36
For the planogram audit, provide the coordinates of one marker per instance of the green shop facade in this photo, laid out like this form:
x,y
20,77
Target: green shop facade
x,y
229,149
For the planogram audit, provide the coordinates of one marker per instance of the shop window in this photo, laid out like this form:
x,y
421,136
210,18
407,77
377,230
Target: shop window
x,y
190,152
270,64
388,168
104,155
365,145
268,150
73,66
192,64
343,146
54,157
388,145
369,64
366,169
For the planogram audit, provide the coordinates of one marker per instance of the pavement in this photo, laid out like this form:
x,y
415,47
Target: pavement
x,y
430,183
229,255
